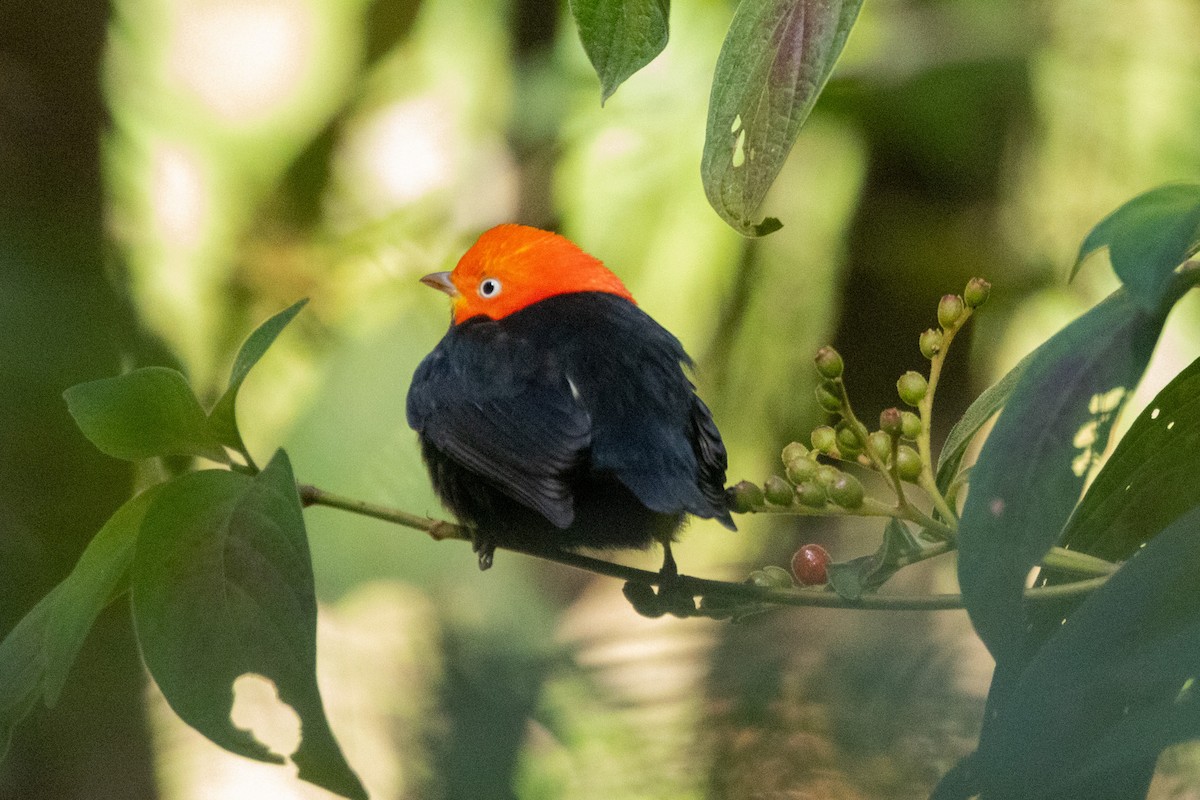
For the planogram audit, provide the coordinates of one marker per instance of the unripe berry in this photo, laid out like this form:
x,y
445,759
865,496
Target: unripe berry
x,y
824,439
828,396
931,343
744,497
826,475
846,491
792,452
778,491
848,442
908,463
829,362
891,421
911,387
880,445
771,577
811,494
643,599
801,469
910,425
977,291
810,565
950,311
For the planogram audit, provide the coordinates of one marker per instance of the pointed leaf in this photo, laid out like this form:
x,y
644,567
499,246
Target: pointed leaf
x,y
145,413
620,36
1115,685
776,58
1032,468
223,418
1147,238
1152,477
38,653
223,587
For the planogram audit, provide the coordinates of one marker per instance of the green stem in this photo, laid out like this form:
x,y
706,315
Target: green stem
x,y
925,409
1080,563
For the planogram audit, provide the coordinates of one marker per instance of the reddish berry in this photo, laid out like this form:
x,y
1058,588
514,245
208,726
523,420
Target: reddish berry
x,y
810,563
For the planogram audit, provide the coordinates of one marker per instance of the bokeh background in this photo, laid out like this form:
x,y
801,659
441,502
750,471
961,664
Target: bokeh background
x,y
174,171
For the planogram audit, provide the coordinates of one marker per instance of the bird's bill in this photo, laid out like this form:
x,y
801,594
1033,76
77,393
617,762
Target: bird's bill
x,y
441,281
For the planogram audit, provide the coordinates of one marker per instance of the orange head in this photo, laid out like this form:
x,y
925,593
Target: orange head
x,y
514,266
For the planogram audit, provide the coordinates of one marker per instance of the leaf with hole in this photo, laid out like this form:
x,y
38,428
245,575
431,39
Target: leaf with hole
x,y
149,412
223,587
776,58
620,36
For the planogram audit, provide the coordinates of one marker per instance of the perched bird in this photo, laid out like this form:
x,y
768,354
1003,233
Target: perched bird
x,y
555,412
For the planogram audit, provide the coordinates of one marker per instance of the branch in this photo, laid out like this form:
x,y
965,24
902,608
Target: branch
x,y
685,585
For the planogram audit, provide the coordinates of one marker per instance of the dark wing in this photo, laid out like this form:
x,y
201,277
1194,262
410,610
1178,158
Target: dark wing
x,y
713,461
498,407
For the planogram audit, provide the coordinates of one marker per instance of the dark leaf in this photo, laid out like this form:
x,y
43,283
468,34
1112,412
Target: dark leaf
x,y
851,579
145,413
38,653
1033,465
1151,478
223,587
1113,687
620,36
1147,238
223,418
777,56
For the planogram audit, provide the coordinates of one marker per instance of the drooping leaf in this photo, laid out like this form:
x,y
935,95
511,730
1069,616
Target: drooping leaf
x,y
851,579
223,418
38,653
776,58
149,412
620,36
1033,465
1152,477
223,587
1147,238
1113,687
976,416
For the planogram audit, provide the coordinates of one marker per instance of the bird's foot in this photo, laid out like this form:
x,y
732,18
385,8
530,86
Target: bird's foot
x,y
673,597
485,550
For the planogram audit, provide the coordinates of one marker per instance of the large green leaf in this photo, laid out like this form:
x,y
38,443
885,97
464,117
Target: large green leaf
x,y
620,36
1151,478
145,413
223,587
1113,687
1147,238
223,418
776,58
1033,465
38,653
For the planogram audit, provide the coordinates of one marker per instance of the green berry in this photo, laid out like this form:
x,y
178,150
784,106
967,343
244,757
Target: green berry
x,y
802,469
744,497
908,463
771,577
891,421
778,491
810,565
931,343
846,491
826,474
824,439
829,362
976,293
792,452
910,425
880,445
950,311
643,599
828,396
912,387
811,494
848,442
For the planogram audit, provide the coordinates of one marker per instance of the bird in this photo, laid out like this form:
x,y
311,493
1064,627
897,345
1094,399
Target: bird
x,y
555,412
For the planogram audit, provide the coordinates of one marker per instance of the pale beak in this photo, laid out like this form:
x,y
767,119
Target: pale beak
x,y
441,281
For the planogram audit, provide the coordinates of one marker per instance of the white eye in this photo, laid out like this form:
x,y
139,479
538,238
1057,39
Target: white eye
x,y
489,287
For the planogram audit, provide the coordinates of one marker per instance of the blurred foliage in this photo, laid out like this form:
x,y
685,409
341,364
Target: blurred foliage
x,y
259,151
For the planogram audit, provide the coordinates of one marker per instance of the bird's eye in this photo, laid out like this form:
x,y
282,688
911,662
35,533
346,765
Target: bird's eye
x,y
489,287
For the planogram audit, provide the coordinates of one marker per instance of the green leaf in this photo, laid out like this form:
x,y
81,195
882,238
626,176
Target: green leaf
x,y
776,58
851,579
977,414
620,36
1113,687
223,587
1033,465
1152,477
37,654
223,418
1147,238
145,413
